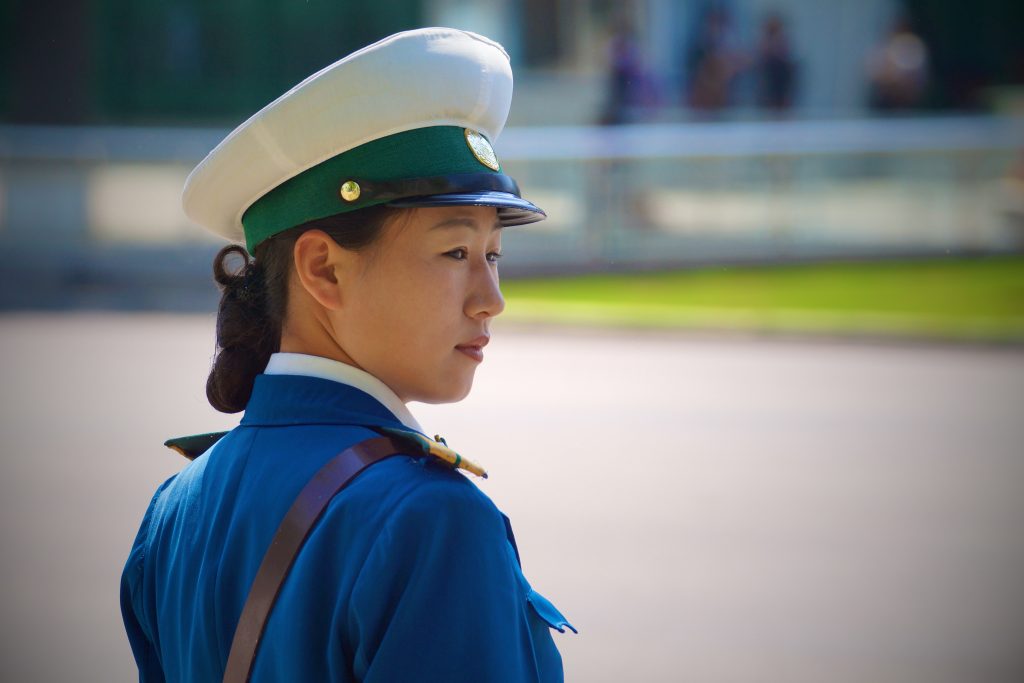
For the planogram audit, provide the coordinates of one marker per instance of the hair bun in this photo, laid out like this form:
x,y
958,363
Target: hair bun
x,y
246,333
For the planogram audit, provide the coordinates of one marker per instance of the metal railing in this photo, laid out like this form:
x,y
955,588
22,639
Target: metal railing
x,y
95,200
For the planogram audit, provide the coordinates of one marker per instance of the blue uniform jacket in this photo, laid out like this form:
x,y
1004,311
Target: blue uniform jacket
x,y
411,575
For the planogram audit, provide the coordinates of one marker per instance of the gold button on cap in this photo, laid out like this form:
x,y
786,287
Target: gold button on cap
x,y
350,190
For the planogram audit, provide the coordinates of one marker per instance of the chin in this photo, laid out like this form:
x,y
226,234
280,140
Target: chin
x,y
449,393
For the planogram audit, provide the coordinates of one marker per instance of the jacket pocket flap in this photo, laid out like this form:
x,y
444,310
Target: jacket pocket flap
x,y
548,612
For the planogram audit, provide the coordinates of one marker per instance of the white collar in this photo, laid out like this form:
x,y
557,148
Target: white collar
x,y
325,368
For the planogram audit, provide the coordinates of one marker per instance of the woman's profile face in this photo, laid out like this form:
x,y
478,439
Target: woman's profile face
x,y
418,305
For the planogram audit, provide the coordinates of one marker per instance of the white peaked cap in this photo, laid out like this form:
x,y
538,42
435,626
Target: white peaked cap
x,y
414,79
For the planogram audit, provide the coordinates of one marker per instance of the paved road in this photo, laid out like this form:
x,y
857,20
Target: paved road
x,y
703,509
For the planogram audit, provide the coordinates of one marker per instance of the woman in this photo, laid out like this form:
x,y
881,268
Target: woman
x,y
373,203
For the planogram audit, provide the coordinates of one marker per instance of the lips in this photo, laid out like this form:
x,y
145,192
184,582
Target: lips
x,y
474,347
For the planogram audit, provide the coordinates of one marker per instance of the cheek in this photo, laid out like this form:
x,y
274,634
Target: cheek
x,y
406,326
432,284
415,306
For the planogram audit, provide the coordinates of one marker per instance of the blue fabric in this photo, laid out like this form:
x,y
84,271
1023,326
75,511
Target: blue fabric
x,y
412,574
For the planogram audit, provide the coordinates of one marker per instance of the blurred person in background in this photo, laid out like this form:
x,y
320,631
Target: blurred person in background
x,y
375,222
630,86
898,70
714,64
775,68
1011,195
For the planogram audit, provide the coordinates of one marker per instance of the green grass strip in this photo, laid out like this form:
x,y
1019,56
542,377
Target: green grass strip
x,y
975,298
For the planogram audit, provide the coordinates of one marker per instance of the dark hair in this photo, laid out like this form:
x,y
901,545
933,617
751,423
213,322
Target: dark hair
x,y
254,299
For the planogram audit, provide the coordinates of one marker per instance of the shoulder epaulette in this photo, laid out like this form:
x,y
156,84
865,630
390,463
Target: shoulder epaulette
x,y
194,446
437,448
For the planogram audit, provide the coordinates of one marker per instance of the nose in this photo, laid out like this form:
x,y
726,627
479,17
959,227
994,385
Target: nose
x,y
484,299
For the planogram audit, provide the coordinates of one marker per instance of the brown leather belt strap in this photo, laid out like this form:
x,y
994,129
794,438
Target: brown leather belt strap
x,y
288,540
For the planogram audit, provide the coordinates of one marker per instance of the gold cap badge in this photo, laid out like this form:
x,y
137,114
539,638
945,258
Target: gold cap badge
x,y
481,149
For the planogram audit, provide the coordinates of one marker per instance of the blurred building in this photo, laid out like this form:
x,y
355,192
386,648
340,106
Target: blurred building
x,y
189,62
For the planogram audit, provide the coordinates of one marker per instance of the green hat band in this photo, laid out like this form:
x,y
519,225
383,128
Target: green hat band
x,y
331,187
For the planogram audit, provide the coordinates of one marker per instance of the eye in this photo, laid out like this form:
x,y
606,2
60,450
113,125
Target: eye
x,y
459,254
494,256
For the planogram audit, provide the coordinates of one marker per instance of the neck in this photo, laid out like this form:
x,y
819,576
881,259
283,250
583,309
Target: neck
x,y
322,348
308,331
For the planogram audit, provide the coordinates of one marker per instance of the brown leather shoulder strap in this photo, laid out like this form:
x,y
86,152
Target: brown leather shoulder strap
x,y
288,540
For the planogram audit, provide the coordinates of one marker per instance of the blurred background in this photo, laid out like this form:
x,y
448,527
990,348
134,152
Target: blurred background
x,y
776,316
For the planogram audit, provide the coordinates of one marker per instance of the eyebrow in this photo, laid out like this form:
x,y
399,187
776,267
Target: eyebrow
x,y
462,222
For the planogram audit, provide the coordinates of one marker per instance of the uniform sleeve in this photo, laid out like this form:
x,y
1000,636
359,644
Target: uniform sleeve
x,y
133,609
438,597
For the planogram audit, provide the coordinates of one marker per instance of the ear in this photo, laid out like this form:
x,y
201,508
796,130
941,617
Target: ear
x,y
320,264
